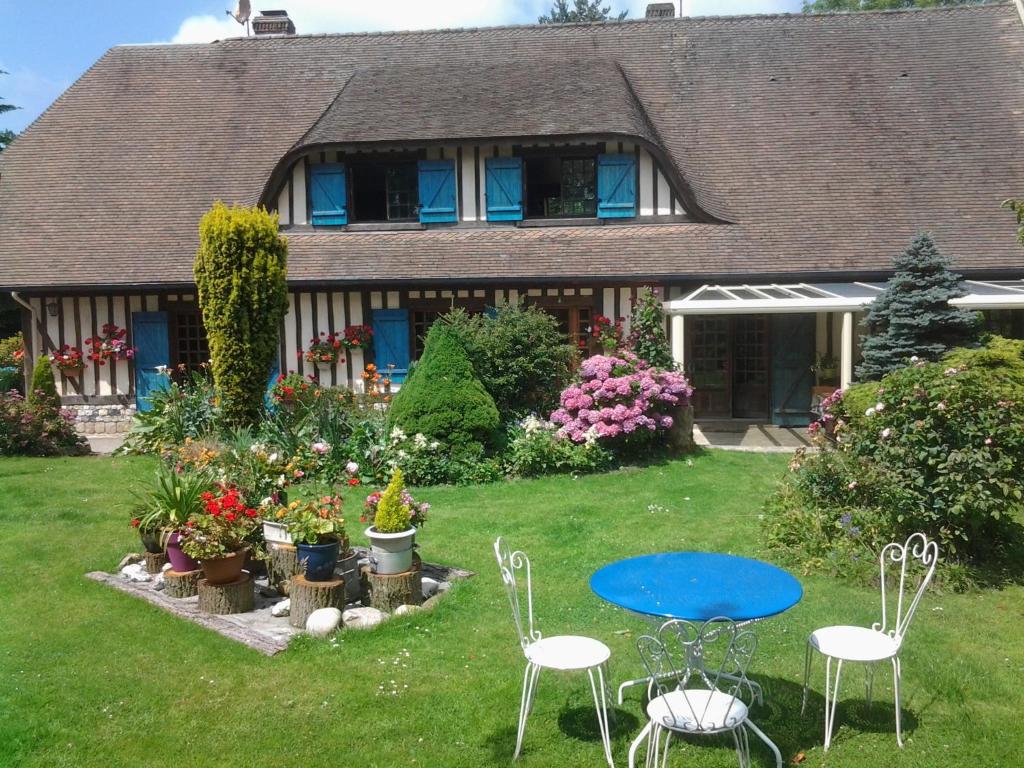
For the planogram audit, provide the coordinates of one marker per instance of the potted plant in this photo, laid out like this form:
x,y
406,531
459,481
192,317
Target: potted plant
x,y
317,529
325,350
68,360
393,515
111,346
165,511
358,337
217,535
827,369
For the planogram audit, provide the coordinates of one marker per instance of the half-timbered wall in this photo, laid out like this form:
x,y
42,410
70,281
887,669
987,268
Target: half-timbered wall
x,y
655,196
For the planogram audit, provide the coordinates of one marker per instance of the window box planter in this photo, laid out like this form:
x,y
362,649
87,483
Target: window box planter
x,y
276,532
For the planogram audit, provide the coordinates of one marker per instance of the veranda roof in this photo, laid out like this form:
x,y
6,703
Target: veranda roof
x,y
826,297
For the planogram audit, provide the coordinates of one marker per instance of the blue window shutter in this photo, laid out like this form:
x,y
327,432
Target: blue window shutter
x,y
391,342
151,340
504,188
437,191
275,371
616,186
329,194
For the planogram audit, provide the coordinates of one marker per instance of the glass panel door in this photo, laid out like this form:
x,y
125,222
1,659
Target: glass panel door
x,y
709,366
750,367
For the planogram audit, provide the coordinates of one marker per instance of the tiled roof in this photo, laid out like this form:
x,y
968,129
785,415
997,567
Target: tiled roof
x,y
827,140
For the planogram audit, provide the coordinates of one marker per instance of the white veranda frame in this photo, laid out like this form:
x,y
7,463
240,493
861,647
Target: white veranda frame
x,y
561,652
884,639
715,655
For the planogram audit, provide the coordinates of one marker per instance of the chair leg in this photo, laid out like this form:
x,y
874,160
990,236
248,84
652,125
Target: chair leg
x,y
869,681
830,711
807,677
526,702
608,691
896,674
771,744
653,744
644,734
601,705
739,737
664,753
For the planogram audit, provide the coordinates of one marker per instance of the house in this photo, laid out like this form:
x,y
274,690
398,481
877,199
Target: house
x,y
760,171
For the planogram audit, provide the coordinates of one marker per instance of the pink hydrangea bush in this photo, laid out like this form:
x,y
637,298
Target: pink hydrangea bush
x,y
620,396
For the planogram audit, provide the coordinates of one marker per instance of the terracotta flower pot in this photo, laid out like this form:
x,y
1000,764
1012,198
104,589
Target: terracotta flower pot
x,y
224,570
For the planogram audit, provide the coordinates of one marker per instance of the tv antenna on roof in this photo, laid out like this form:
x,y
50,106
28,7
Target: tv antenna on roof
x,y
242,14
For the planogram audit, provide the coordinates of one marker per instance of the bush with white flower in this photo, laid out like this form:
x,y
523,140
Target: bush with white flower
x,y
933,447
537,447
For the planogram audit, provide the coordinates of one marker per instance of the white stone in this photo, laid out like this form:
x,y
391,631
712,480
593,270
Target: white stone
x,y
136,572
131,557
282,608
405,610
166,567
363,618
323,621
430,586
443,587
158,581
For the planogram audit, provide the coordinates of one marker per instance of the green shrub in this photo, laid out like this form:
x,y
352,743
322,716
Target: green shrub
x,y
10,379
535,449
392,512
12,350
939,448
647,338
520,355
443,399
44,388
36,429
178,412
240,272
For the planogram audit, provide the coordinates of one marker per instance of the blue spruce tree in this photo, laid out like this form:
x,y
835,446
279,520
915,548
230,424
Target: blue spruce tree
x,y
912,316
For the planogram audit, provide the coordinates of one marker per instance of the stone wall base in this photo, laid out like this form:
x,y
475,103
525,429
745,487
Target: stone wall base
x,y
102,419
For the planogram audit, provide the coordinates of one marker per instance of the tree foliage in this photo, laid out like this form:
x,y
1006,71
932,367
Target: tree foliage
x,y
240,272
44,388
520,355
840,6
1017,207
647,337
580,10
912,316
6,136
443,399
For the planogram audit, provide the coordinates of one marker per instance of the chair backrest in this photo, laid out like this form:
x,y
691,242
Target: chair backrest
x,y
509,563
717,652
916,549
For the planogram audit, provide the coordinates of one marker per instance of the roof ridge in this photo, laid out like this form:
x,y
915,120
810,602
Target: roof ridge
x,y
675,22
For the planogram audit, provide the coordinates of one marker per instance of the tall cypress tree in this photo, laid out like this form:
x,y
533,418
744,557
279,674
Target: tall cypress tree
x,y
912,316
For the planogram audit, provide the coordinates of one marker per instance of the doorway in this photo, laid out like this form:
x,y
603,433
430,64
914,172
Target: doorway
x,y
729,366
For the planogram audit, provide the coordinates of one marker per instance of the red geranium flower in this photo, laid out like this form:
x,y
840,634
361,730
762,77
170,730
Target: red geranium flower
x,y
353,481
136,522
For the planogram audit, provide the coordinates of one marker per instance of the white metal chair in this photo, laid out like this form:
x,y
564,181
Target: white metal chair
x,y
883,640
562,652
716,653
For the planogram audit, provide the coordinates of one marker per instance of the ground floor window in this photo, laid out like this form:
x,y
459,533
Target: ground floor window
x,y
1005,322
189,347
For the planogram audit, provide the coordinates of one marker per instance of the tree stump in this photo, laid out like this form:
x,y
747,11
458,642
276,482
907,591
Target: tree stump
x,y
236,597
282,565
388,591
308,596
181,584
155,561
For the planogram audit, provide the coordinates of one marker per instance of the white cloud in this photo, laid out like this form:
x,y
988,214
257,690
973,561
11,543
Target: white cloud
x,y
317,16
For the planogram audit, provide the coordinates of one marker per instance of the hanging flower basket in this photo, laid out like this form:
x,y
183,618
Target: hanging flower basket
x,y
68,360
111,346
358,337
324,351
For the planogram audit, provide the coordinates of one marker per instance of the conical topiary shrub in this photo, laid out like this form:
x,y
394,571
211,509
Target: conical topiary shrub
x,y
443,399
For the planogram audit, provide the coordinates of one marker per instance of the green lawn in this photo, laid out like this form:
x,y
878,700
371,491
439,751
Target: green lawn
x,y
92,677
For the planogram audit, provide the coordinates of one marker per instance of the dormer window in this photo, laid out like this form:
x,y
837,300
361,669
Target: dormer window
x,y
561,187
384,191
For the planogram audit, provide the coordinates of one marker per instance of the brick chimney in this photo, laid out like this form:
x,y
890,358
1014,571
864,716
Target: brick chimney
x,y
273,23
661,11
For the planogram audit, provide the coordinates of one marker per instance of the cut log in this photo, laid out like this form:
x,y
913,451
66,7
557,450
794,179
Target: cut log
x,y
388,591
181,584
282,564
308,596
155,561
236,597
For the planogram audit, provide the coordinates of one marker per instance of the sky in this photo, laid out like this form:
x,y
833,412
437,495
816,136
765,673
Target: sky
x,y
46,46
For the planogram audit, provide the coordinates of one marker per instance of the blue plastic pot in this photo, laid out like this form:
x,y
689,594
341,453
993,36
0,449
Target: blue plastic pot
x,y
319,560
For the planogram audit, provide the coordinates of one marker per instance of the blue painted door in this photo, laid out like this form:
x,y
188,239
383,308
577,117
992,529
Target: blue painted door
x,y
328,194
616,186
391,342
504,188
792,358
437,191
150,337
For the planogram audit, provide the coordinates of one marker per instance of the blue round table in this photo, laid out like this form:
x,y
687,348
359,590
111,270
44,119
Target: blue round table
x,y
697,586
